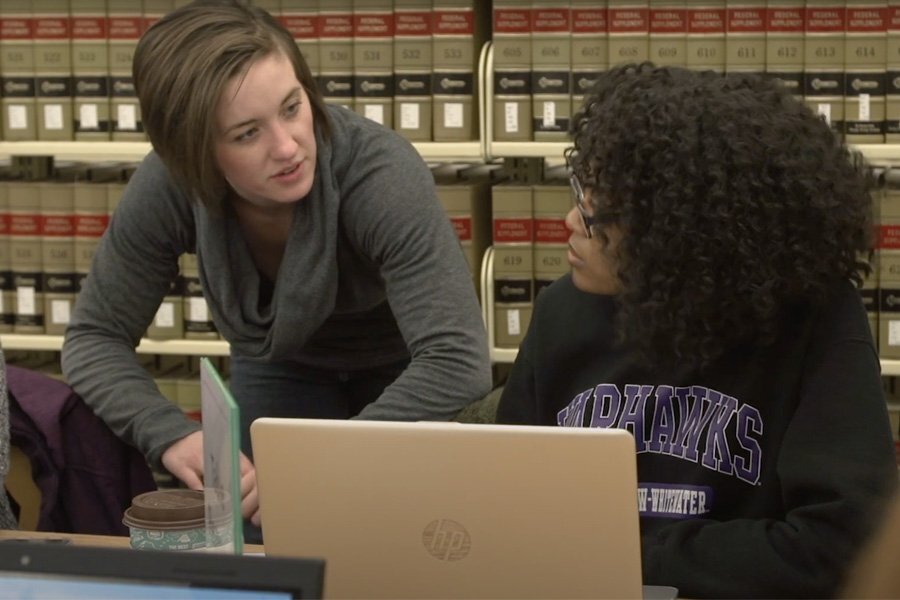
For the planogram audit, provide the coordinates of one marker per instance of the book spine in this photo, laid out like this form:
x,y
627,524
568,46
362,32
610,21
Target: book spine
x,y
373,60
152,11
336,51
706,34
629,31
198,323
6,288
551,69
784,43
125,21
90,71
301,18
590,46
865,71
456,199
25,254
91,220
823,60
57,210
892,83
455,40
53,69
552,202
512,71
745,36
168,322
17,74
668,32
513,276
413,108
889,269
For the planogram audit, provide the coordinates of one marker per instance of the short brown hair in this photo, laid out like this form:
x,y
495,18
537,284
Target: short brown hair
x,y
181,67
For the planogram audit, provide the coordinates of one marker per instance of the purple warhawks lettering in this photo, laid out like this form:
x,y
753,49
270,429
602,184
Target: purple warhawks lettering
x,y
692,423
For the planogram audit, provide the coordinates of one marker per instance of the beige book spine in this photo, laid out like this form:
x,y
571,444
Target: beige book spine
x,y
551,69
513,276
17,75
590,46
784,43
889,269
629,31
336,51
125,23
865,71
892,83
198,323
457,37
6,289
413,104
90,71
53,69
301,18
668,32
823,60
745,36
57,210
552,202
706,34
25,254
373,60
512,71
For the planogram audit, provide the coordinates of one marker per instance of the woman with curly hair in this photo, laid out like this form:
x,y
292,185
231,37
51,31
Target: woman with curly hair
x,y
718,237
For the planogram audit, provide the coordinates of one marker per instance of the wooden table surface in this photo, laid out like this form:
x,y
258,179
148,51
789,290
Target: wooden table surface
x,y
81,539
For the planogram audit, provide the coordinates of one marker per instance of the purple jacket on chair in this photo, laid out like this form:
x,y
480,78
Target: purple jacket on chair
x,y
87,476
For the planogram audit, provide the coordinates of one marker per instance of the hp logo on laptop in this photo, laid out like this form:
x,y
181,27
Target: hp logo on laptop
x,y
446,540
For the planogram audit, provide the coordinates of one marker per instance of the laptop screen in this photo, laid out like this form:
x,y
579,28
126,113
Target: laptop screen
x,y
70,572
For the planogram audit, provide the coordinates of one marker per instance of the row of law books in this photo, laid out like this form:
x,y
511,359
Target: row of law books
x,y
65,65
50,226
52,217
842,57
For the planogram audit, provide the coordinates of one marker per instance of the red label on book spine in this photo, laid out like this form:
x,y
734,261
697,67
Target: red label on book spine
x,y
747,20
124,28
336,26
546,20
866,20
785,20
412,24
301,26
825,20
57,225
629,20
667,20
463,228
509,20
25,224
52,28
454,22
88,28
90,225
588,21
16,28
894,17
551,231
513,230
373,25
889,237
707,20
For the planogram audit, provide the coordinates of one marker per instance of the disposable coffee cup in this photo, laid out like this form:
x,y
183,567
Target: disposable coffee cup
x,y
167,520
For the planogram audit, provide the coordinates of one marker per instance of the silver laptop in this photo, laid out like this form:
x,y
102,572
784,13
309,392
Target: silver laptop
x,y
438,510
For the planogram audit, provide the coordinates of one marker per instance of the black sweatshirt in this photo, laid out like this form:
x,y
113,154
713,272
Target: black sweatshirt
x,y
759,476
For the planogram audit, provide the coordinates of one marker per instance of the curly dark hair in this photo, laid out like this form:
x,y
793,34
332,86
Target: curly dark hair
x,y
735,202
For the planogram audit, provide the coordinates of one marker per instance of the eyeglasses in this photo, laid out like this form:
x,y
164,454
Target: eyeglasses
x,y
608,216
578,198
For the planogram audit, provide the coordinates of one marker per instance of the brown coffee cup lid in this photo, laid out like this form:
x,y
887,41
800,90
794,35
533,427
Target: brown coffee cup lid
x,y
167,506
